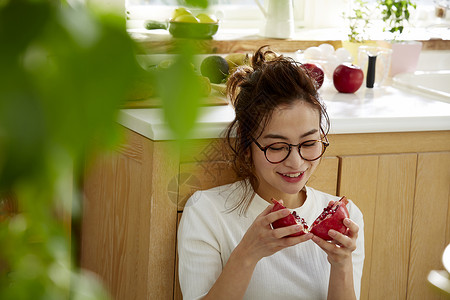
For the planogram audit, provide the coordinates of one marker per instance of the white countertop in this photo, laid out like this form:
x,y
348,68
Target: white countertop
x,y
381,109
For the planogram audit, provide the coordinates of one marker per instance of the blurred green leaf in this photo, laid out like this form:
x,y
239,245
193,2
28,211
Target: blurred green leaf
x,y
181,91
64,71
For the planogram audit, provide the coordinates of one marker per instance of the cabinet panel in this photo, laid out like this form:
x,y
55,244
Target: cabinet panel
x,y
358,182
385,196
201,176
163,220
325,176
429,222
110,232
392,226
129,219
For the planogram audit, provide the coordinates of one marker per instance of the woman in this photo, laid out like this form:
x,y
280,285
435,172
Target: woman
x,y
227,247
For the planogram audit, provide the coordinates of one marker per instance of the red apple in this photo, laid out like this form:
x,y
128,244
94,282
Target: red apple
x,y
348,78
315,71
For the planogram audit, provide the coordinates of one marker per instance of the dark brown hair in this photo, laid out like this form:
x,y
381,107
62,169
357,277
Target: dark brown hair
x,y
256,91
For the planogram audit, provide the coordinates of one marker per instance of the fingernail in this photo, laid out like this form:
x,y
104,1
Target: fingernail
x,y
331,233
347,221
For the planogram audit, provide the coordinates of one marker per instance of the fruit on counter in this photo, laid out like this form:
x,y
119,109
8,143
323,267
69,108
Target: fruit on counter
x,y
206,18
205,86
145,84
235,60
182,14
315,71
186,19
348,78
332,217
179,11
215,67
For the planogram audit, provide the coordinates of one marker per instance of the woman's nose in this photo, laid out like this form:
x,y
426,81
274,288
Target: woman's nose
x,y
294,160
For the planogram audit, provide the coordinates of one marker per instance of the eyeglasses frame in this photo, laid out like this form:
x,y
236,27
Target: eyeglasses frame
x,y
325,143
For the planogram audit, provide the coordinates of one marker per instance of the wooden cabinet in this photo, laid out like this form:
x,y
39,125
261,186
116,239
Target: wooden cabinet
x,y
135,197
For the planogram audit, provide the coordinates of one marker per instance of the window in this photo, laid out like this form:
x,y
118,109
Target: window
x,y
245,14
232,13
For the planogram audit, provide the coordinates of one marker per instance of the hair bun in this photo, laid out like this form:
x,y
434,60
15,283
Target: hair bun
x,y
263,55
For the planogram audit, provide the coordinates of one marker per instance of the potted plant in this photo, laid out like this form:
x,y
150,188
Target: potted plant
x,y
396,14
359,23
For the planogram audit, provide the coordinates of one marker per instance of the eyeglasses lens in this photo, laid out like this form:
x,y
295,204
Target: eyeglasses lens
x,y
310,150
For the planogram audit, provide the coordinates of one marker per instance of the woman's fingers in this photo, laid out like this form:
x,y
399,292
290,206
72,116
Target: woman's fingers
x,y
340,240
290,241
288,230
276,215
353,228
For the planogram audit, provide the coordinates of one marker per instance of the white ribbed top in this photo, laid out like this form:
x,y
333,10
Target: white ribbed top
x,y
208,233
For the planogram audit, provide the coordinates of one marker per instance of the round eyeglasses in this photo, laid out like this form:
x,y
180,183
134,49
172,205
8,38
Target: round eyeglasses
x,y
309,150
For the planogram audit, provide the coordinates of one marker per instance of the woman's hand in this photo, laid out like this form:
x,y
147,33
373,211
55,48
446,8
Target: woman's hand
x,y
340,249
261,240
339,252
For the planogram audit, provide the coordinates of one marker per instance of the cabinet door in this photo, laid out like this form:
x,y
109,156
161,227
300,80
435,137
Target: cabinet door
x,y
202,175
129,220
383,188
326,175
358,182
431,222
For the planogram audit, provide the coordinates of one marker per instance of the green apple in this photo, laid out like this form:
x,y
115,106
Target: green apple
x,y
180,11
186,19
205,18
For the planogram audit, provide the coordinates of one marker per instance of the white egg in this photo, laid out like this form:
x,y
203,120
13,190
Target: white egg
x,y
313,53
343,55
329,66
327,49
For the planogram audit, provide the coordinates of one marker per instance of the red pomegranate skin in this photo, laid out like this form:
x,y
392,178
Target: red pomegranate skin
x,y
320,227
316,72
286,221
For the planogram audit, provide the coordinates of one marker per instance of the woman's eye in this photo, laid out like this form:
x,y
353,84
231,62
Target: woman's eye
x,y
309,144
278,148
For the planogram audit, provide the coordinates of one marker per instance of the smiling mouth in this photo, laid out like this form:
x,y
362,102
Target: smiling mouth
x,y
293,175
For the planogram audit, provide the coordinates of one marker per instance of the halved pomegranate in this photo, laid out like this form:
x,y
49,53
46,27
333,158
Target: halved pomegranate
x,y
290,219
332,217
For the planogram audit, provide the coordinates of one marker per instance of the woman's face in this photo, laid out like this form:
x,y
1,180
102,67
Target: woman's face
x,y
293,124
